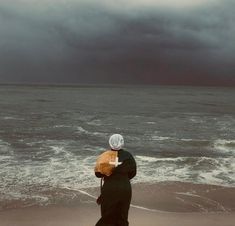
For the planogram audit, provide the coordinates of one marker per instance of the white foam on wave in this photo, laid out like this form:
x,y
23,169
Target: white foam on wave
x,y
4,158
227,146
4,143
96,122
61,126
175,139
155,169
94,148
187,169
60,150
223,172
11,118
151,123
80,129
189,140
6,153
210,177
64,168
161,138
155,159
196,119
146,158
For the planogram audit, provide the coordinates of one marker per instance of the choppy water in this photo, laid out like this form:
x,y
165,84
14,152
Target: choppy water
x,y
50,136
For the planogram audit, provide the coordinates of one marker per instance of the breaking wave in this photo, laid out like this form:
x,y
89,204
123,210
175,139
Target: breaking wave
x,y
218,171
227,146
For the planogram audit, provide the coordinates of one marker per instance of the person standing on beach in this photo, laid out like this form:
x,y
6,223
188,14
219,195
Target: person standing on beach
x,y
117,167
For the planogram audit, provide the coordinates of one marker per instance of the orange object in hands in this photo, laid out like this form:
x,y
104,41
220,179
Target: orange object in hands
x,y
106,162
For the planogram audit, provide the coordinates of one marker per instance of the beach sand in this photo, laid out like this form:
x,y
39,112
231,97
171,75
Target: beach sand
x,y
161,204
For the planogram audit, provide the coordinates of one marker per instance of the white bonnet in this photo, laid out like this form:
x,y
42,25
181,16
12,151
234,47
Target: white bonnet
x,y
116,141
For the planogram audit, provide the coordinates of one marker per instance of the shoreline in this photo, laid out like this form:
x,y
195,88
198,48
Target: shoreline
x,y
162,204
169,197
177,197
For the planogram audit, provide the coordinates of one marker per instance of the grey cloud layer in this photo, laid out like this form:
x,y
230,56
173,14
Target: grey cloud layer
x,y
83,42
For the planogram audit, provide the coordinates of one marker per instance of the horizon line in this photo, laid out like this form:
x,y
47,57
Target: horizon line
x,y
77,84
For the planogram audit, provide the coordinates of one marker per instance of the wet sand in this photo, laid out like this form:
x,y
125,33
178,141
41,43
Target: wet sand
x,y
88,214
161,204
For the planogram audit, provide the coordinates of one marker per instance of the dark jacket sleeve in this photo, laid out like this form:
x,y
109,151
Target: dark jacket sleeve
x,y
127,167
132,172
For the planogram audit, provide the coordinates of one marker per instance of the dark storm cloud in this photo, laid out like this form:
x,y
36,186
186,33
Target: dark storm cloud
x,y
78,41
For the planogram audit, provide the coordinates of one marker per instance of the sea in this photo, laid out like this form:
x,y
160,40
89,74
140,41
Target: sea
x,y
50,136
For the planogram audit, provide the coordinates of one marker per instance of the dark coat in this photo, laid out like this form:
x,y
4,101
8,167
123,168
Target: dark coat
x,y
116,192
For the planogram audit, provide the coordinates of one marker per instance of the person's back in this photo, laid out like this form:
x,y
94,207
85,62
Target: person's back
x,y
116,191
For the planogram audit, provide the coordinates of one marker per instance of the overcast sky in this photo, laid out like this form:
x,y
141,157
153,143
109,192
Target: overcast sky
x,y
118,41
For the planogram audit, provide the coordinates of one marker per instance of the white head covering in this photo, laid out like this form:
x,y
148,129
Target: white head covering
x,y
116,141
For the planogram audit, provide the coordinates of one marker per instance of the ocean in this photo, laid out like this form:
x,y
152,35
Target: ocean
x,y
50,136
